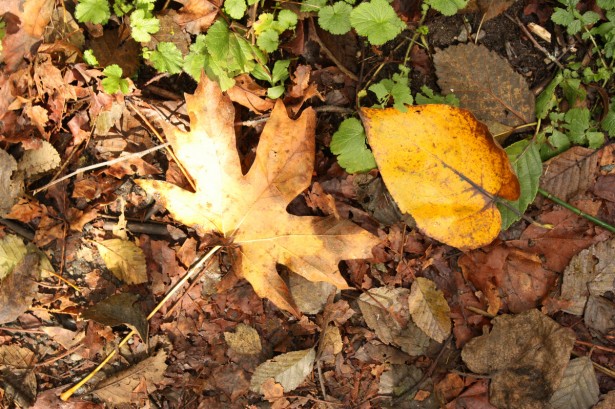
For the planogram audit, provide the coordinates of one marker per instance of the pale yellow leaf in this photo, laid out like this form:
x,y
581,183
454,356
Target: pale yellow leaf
x,y
429,309
125,260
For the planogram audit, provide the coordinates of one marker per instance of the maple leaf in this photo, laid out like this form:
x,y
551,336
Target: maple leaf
x,y
250,209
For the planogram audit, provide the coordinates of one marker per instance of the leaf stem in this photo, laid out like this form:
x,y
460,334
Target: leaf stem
x,y
577,211
195,267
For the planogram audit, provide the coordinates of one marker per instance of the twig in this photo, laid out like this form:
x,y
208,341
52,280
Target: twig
x,y
57,358
577,211
533,40
594,346
331,56
25,233
195,267
100,165
162,141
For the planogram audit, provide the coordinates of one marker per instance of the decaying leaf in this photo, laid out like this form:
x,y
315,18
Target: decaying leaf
x,y
591,272
578,388
36,162
289,370
490,8
599,314
11,183
385,311
250,209
397,379
526,353
429,309
310,297
121,387
17,378
485,84
117,310
245,340
330,343
570,173
125,260
444,168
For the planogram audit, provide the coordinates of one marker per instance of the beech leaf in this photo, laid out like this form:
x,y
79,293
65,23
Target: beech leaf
x,y
444,168
429,309
289,370
578,389
250,209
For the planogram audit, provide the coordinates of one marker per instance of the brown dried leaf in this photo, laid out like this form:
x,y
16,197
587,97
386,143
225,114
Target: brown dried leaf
x,y
245,340
591,272
570,173
35,162
485,84
578,388
11,183
248,93
121,387
125,260
16,376
429,309
196,15
490,8
599,314
526,353
289,370
120,309
110,48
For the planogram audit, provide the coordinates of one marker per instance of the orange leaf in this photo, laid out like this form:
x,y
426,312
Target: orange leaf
x,y
250,209
444,168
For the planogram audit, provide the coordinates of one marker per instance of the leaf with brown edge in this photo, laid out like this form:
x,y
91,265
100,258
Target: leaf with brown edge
x,y
250,210
443,167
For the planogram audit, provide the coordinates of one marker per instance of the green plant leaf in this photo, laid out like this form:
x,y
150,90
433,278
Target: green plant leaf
x,y
287,20
562,17
348,143
166,58
142,26
121,7
275,92
377,21
114,81
308,6
93,11
235,8
547,99
265,22
427,96
280,71
268,41
335,19
447,7
525,159
197,58
90,58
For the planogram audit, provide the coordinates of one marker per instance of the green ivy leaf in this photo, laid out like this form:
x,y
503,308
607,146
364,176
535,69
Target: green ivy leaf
x,y
90,58
142,26
377,21
268,41
525,159
93,11
235,8
166,58
114,81
348,143
335,19
447,7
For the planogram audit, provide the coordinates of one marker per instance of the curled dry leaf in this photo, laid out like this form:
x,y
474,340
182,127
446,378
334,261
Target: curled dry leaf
x,y
125,260
444,168
429,309
288,369
250,210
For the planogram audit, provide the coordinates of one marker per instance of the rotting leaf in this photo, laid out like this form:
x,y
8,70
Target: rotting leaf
x,y
120,309
444,168
578,388
590,272
125,260
570,173
120,387
245,340
485,84
16,376
385,310
35,162
429,309
526,353
289,370
250,209
11,183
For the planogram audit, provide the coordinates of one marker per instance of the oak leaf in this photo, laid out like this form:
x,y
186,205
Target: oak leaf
x,y
443,167
250,210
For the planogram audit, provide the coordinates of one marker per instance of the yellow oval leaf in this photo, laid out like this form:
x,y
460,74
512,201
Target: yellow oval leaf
x,y
443,167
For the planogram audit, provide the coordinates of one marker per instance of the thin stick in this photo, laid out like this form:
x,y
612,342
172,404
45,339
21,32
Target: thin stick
x,y
549,56
577,211
136,109
100,165
195,267
332,57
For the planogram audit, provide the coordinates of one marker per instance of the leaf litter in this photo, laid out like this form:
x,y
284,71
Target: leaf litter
x,y
366,341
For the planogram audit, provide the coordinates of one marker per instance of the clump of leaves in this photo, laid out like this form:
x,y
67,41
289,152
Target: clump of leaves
x,y
114,81
396,88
